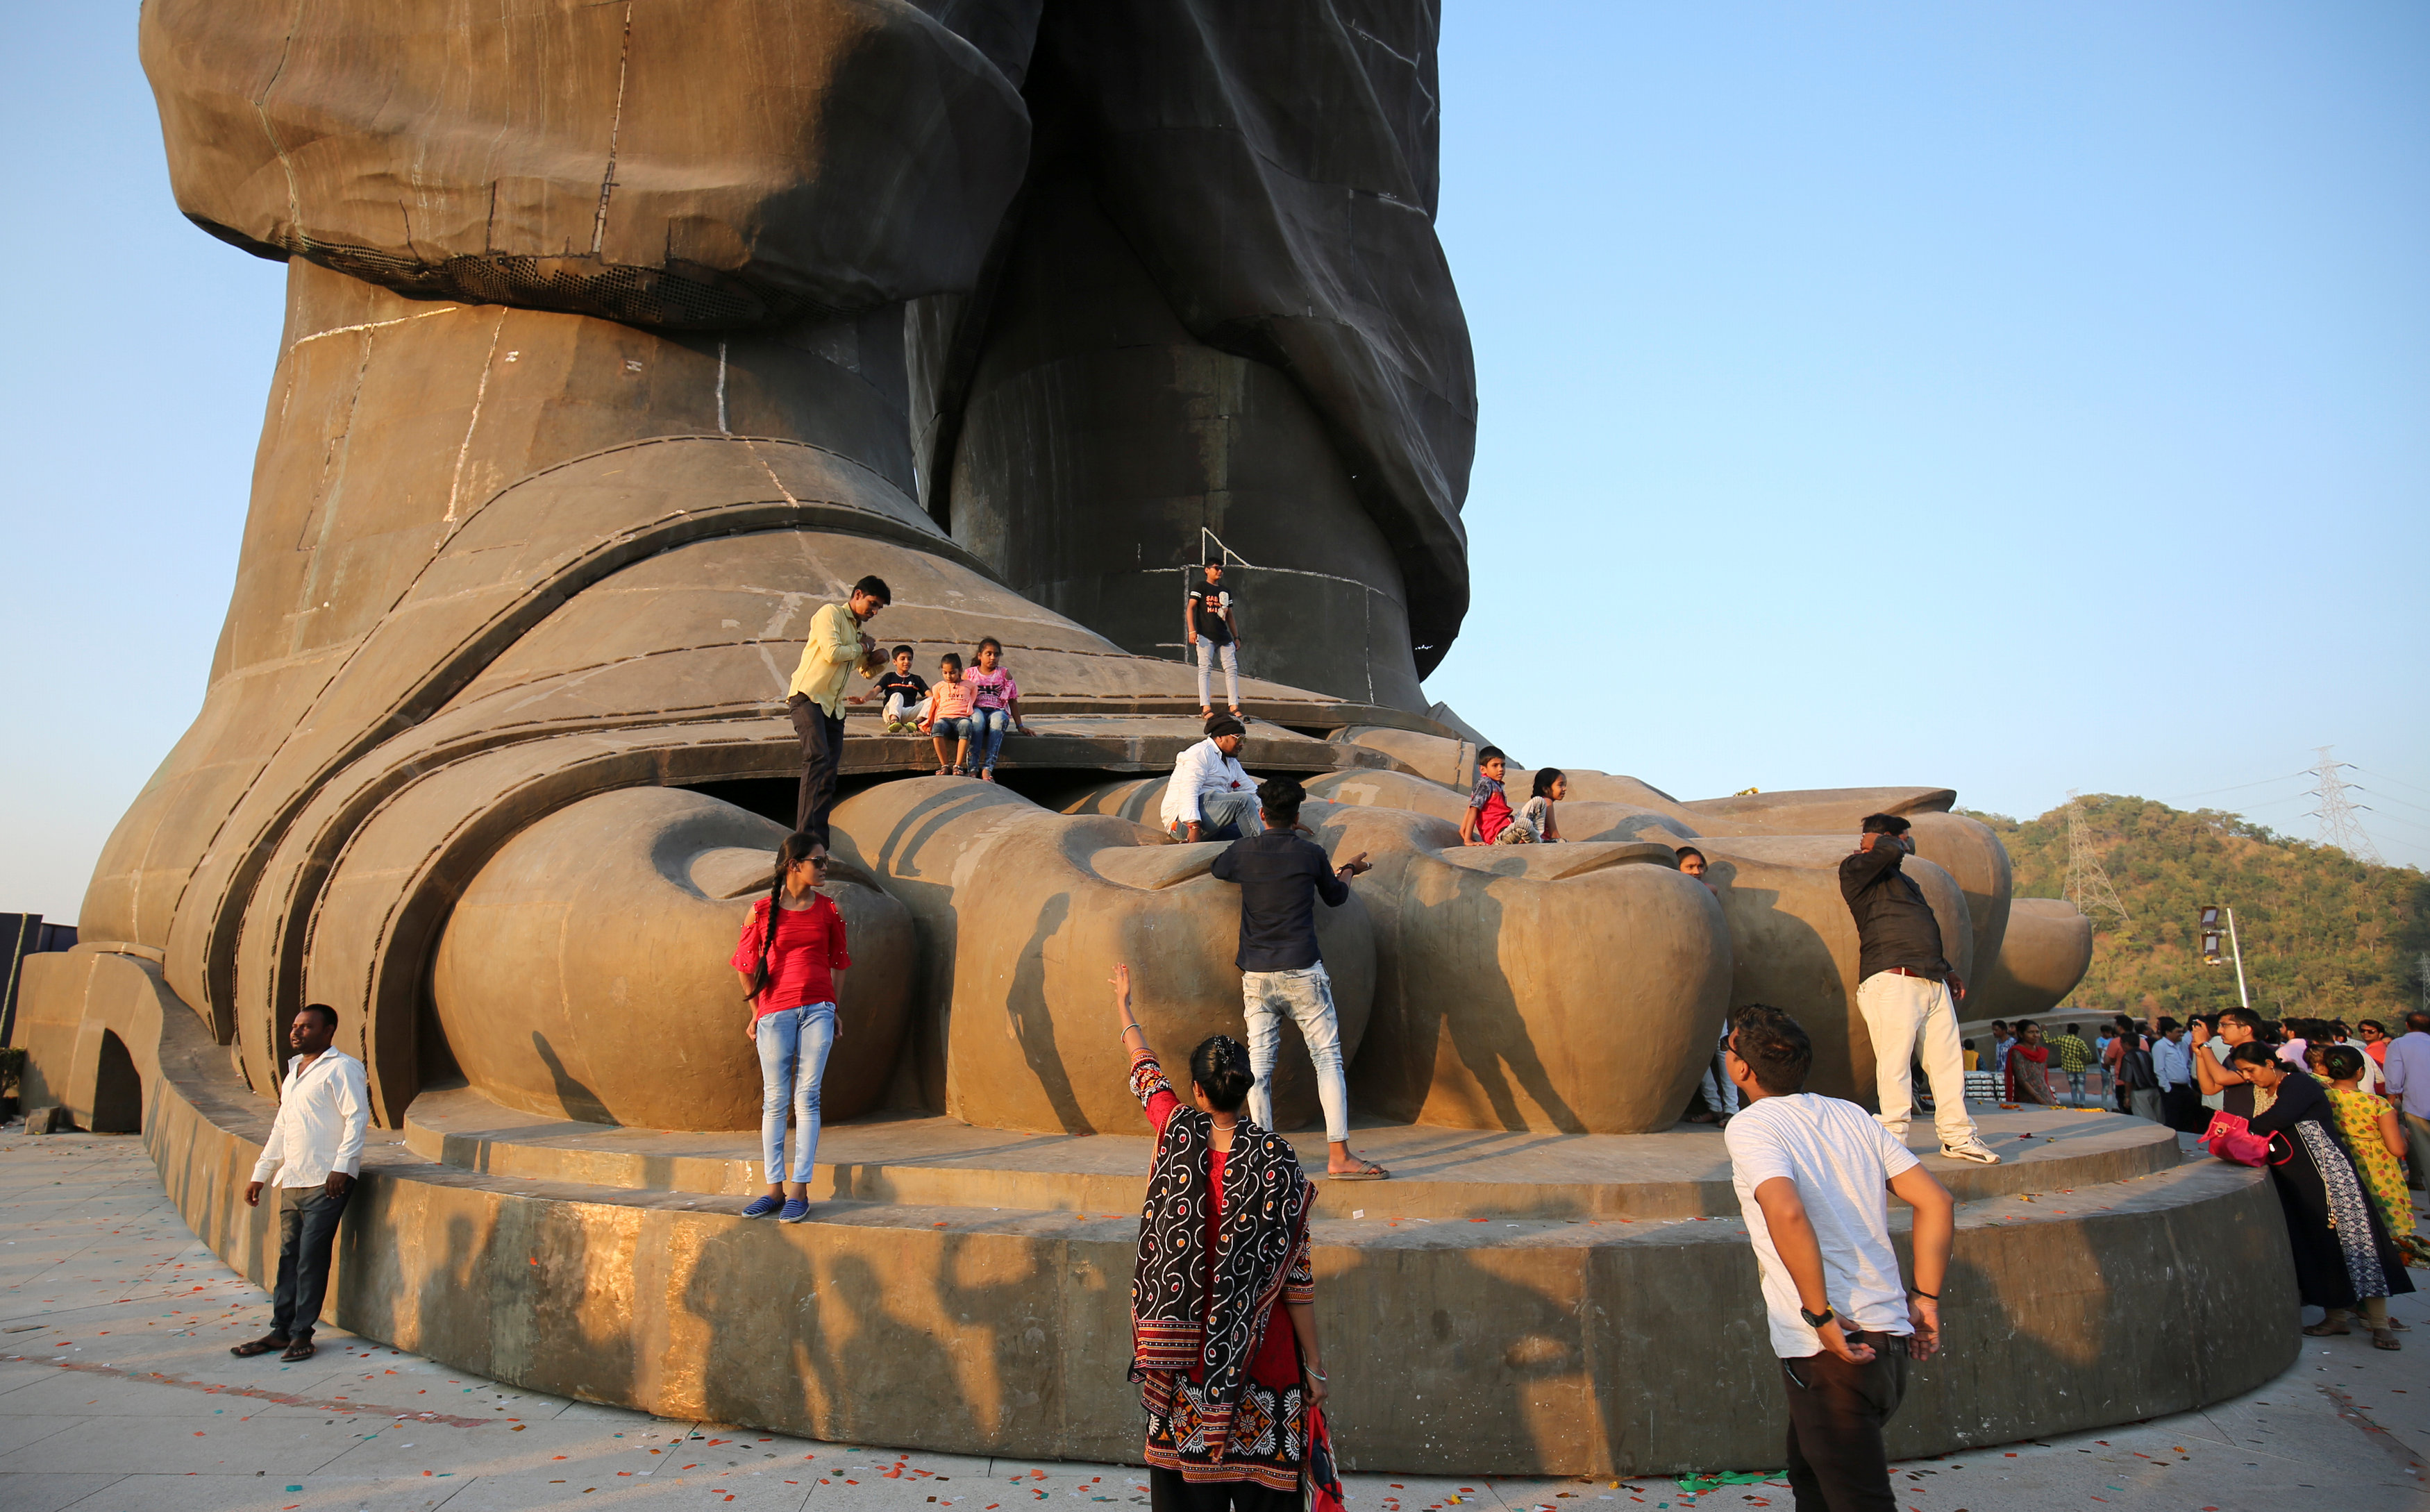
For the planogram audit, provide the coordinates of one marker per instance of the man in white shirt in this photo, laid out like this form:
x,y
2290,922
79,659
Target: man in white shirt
x,y
315,1149
1210,797
1810,1172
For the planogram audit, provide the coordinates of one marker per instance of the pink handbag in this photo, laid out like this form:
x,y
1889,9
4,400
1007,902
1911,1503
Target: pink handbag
x,y
2232,1138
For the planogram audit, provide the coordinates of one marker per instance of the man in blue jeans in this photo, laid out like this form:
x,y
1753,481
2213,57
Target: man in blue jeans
x,y
315,1149
1281,873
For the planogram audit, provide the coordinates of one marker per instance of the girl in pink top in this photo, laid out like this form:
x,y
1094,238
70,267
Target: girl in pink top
x,y
997,706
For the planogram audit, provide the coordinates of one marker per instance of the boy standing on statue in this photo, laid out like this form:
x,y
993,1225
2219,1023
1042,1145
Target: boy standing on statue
x,y
1906,988
1809,1173
1210,623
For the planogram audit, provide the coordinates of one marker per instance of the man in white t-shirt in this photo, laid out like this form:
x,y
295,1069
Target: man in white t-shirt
x,y
1209,796
1810,1173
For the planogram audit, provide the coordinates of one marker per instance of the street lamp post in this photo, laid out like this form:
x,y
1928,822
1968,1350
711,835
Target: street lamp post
x,y
2243,999
2211,913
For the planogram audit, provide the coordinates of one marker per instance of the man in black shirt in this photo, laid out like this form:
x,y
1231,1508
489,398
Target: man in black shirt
x,y
1906,988
1281,873
1211,623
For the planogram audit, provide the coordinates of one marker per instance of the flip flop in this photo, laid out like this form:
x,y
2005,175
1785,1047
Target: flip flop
x,y
1371,1173
259,1346
301,1350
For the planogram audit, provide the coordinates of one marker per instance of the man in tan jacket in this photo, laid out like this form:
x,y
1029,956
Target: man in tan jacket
x,y
837,646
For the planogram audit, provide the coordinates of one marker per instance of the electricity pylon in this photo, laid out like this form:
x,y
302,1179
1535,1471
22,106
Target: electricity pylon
x,y
2339,826
2087,883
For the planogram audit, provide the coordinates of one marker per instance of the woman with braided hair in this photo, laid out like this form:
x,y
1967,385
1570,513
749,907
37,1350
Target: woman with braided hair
x,y
1222,1302
789,954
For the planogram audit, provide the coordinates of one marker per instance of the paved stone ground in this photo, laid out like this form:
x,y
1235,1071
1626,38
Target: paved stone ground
x,y
117,1395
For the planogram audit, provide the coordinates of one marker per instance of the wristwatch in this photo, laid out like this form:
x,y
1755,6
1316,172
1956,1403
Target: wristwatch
x,y
1816,1320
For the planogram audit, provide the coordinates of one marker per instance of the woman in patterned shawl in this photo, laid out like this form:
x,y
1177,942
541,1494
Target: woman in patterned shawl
x,y
1223,1302
2344,1260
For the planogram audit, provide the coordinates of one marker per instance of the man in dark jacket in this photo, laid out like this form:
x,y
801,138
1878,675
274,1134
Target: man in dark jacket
x,y
1906,988
1281,873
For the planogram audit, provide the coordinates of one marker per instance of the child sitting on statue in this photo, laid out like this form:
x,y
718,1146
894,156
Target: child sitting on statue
x,y
1488,811
949,713
904,691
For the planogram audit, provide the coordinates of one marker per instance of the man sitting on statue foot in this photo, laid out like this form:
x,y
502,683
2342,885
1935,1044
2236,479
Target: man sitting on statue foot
x,y
1210,797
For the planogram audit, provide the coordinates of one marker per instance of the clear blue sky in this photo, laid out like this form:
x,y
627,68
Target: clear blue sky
x,y
2010,398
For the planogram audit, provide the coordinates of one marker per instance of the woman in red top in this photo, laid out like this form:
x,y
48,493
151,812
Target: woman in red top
x,y
789,975
1223,1302
2030,1065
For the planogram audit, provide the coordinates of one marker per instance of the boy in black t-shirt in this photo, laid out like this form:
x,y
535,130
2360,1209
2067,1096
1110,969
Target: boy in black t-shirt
x,y
1210,623
902,691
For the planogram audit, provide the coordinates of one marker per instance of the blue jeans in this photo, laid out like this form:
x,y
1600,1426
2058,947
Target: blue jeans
x,y
793,1045
987,727
1307,995
1225,817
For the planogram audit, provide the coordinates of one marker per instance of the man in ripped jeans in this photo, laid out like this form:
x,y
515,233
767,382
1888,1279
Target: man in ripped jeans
x,y
1281,873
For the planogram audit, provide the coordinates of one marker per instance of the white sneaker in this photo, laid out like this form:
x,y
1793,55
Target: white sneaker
x,y
1975,1150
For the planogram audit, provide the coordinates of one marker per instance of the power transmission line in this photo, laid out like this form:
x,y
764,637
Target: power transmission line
x,y
2087,883
2339,826
2377,775
2208,792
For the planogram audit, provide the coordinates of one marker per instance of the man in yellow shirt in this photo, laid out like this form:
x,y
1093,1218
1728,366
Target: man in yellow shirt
x,y
836,646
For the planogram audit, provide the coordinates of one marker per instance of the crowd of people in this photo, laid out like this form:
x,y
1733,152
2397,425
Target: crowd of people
x,y
2340,1114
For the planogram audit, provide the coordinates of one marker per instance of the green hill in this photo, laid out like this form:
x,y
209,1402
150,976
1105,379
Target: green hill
x,y
2325,935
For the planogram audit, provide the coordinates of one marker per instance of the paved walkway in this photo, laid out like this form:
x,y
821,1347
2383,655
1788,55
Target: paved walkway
x,y
117,1395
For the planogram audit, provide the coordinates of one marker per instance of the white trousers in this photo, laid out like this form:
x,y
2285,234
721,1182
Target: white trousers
x,y
1229,653
1905,1014
1307,995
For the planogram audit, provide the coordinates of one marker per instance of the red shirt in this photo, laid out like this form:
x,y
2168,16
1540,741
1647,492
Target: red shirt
x,y
801,965
1277,1362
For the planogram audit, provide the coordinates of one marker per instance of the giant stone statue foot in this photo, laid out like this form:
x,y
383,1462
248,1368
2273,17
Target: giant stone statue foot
x,y
618,340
